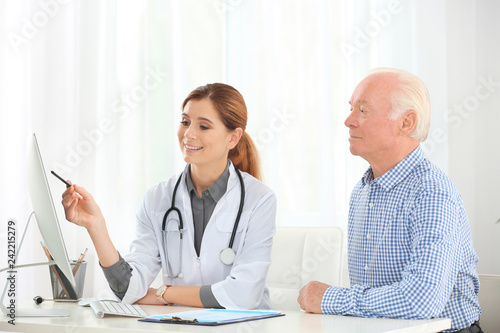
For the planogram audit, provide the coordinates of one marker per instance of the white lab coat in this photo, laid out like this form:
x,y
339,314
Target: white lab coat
x,y
239,286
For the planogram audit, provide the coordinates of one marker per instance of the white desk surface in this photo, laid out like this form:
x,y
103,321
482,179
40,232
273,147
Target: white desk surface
x,y
83,320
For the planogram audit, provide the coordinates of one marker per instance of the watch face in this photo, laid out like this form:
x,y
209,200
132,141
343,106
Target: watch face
x,y
160,290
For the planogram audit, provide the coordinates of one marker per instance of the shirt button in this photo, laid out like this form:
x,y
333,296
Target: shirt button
x,y
370,204
366,267
368,236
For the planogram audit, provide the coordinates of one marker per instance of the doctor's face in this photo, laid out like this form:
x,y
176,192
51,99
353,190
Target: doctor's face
x,y
203,138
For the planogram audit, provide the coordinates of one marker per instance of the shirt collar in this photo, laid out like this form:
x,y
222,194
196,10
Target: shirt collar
x,y
399,172
217,189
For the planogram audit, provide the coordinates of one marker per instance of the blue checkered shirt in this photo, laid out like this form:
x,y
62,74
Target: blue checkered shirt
x,y
410,251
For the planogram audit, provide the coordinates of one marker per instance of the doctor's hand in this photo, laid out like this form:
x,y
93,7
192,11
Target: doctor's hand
x,y
81,208
310,296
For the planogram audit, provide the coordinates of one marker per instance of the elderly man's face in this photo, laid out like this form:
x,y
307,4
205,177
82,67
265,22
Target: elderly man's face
x,y
372,135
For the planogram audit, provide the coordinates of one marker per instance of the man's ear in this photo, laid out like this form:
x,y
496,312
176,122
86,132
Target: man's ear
x,y
409,122
235,137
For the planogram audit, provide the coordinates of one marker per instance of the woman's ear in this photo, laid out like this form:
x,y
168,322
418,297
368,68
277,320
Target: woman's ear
x,y
235,137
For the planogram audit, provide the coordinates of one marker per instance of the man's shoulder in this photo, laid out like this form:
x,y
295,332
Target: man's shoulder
x,y
430,178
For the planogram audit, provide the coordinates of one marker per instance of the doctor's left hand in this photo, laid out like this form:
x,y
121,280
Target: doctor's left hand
x,y
310,296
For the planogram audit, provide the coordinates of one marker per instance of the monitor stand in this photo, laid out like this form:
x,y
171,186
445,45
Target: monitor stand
x,y
28,312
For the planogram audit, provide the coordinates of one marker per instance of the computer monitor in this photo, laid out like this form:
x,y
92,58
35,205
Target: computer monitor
x,y
45,212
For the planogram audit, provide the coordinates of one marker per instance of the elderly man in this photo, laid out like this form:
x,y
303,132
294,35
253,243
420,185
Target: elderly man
x,y
409,241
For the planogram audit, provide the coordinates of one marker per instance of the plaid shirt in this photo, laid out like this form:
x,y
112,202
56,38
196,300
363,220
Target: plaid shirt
x,y
410,250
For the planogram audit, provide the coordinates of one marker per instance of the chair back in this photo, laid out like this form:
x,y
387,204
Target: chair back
x,y
489,299
301,255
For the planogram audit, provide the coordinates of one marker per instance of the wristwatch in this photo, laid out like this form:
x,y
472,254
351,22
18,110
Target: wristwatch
x,y
161,291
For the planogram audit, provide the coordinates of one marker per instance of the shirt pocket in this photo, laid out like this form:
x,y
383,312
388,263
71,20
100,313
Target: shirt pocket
x,y
225,222
225,225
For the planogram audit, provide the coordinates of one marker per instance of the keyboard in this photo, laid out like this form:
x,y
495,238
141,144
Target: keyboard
x,y
102,308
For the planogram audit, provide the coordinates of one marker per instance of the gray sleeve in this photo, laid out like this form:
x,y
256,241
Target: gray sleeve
x,y
208,299
118,276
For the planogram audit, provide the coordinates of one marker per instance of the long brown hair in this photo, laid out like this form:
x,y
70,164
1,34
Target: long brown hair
x,y
232,110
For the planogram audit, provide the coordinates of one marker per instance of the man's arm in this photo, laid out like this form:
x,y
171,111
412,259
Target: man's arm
x,y
427,279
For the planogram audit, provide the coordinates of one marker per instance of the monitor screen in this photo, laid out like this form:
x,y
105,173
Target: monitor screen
x,y
45,212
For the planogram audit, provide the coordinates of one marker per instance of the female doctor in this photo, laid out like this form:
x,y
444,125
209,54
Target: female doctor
x,y
208,202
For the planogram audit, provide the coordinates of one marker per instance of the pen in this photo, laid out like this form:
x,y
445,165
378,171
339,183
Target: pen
x,y
79,261
82,256
60,178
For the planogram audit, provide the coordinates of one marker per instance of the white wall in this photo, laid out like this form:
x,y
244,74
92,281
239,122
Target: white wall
x,y
473,120
487,199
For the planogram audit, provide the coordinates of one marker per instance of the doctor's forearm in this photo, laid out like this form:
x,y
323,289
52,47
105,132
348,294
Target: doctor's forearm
x,y
182,295
106,251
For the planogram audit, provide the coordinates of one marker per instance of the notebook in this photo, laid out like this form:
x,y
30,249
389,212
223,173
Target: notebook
x,y
103,308
212,317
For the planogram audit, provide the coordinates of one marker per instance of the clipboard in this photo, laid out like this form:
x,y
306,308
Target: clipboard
x,y
212,317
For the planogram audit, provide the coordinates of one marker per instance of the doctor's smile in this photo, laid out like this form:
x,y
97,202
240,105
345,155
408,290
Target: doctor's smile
x,y
188,147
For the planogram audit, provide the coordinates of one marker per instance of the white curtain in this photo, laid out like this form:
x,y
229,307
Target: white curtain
x,y
101,84
305,60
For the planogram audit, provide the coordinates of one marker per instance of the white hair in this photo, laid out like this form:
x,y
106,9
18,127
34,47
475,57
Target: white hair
x,y
411,94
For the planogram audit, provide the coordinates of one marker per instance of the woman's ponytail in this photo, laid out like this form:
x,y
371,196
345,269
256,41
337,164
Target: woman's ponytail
x,y
246,157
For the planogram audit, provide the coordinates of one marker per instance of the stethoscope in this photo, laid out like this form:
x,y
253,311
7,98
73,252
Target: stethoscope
x,y
226,256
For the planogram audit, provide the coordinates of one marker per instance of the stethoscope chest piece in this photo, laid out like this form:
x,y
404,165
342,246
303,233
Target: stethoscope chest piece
x,y
227,256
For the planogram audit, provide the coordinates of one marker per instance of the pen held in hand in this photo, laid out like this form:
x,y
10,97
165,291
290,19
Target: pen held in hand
x,y
60,178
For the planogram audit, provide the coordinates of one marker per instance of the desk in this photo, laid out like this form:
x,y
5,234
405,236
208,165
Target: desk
x,y
83,320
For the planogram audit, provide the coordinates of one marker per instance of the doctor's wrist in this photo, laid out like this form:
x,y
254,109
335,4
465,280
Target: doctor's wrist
x,y
161,293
